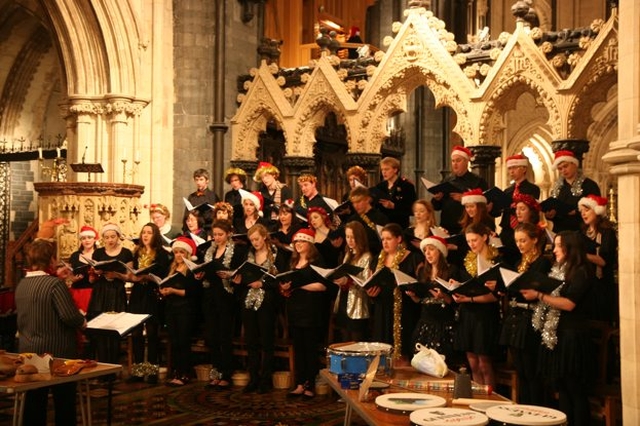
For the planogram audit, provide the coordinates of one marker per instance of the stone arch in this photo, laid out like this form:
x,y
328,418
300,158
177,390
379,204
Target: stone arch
x,y
517,84
535,143
18,84
391,98
580,117
97,42
310,116
603,131
247,131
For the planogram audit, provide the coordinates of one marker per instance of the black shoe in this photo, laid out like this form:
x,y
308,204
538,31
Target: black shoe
x,y
223,386
265,388
251,387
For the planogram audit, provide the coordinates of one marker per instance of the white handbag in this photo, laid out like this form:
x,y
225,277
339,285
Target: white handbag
x,y
429,361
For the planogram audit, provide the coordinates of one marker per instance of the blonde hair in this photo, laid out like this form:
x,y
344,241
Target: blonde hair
x,y
307,178
159,208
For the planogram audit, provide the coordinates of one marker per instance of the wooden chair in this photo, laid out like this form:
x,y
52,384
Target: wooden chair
x,y
607,395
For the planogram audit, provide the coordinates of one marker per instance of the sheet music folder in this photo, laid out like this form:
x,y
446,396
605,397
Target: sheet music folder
x,y
87,168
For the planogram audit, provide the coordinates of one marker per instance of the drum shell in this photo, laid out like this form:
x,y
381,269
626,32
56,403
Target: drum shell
x,y
342,361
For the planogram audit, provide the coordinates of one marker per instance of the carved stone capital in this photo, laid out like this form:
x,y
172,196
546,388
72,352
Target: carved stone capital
x,y
298,165
364,160
485,155
578,146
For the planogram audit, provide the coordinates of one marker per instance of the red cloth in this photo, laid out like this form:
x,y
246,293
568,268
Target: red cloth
x,y
81,297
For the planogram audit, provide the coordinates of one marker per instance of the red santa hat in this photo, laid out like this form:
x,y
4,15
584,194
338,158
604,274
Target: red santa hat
x,y
438,242
322,212
564,155
255,197
473,196
462,152
595,203
517,160
527,199
305,234
186,244
87,231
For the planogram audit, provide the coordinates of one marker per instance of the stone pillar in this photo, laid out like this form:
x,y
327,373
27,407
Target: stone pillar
x,y
294,167
369,162
484,161
578,146
624,158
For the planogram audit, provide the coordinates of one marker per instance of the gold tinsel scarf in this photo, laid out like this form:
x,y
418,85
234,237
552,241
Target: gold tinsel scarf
x,y
397,300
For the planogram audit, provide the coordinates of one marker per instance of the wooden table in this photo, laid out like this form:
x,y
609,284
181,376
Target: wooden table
x,y
374,416
10,386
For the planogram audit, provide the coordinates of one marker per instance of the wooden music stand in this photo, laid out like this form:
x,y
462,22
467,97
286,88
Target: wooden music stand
x,y
87,168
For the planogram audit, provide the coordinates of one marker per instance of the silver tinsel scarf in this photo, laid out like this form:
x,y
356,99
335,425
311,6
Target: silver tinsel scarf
x,y
545,318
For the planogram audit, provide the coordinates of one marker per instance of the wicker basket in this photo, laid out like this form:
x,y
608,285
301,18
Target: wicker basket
x,y
202,372
281,380
240,378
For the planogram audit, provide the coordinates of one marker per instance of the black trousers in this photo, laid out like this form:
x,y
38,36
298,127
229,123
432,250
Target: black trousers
x,y
64,400
259,336
306,341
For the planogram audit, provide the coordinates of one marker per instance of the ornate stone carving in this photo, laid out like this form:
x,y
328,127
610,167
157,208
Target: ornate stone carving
x,y
91,203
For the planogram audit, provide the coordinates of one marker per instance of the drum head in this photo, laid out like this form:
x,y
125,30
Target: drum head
x,y
526,415
360,347
481,407
447,416
403,403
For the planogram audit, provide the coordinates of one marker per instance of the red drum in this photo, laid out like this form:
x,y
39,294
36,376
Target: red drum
x,y
525,415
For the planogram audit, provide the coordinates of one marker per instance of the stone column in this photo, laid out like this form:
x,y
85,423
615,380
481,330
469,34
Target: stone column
x,y
294,167
578,146
624,158
369,162
484,161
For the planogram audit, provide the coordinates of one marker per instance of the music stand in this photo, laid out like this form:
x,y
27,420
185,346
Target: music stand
x,y
87,168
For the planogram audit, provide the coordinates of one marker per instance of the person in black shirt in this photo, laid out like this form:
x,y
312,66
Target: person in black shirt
x,y
371,218
202,195
517,166
449,204
273,191
236,178
395,194
310,196
569,188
